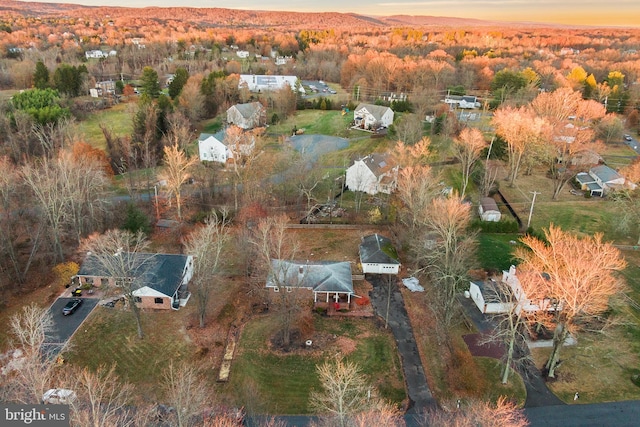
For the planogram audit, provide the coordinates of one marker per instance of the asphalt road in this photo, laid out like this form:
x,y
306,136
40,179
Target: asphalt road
x,y
634,144
65,326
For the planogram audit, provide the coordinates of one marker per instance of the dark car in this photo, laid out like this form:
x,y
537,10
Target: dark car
x,y
71,306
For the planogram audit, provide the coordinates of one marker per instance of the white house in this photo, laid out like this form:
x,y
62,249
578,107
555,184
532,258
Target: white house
x,y
264,83
490,299
161,279
95,54
601,179
486,296
466,101
372,174
244,54
212,149
378,255
488,209
247,116
371,117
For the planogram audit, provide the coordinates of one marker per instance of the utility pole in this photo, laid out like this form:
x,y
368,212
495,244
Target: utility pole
x,y
533,202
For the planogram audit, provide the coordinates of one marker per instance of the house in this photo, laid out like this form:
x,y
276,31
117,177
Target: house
x,y
601,179
212,149
247,116
378,255
486,296
95,54
161,279
264,83
372,117
466,101
372,174
488,209
490,299
328,281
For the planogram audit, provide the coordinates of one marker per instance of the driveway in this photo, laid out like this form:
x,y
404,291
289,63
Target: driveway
x,y
420,397
65,326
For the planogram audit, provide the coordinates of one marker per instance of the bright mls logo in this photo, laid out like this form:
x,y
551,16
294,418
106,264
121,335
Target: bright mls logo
x,y
34,415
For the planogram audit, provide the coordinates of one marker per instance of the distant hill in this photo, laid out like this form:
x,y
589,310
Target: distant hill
x,y
221,17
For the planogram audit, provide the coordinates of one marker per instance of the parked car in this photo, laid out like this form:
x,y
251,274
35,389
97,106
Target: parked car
x,y
58,396
71,306
628,138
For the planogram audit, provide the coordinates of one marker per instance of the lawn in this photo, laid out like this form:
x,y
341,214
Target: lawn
x,y
324,122
283,381
109,338
117,118
495,251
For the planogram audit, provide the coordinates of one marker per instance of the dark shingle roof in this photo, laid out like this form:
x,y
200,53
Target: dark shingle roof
x,y
377,249
321,276
161,272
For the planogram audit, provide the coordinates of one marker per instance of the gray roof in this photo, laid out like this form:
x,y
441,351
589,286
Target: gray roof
x,y
489,204
247,110
321,276
218,135
490,291
584,178
605,173
377,249
377,111
161,272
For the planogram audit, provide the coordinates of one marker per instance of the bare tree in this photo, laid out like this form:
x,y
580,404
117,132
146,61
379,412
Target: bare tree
x,y
119,255
476,413
187,392
103,400
467,149
276,250
444,247
29,378
572,121
416,188
207,244
576,275
175,172
345,392
521,129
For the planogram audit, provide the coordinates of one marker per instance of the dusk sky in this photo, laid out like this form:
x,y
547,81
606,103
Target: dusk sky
x,y
586,12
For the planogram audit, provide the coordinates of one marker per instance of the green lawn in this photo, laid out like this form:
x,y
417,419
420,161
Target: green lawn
x,y
117,119
109,338
495,251
283,381
325,122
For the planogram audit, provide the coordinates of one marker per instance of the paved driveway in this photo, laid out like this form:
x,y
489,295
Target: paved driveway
x,y
65,326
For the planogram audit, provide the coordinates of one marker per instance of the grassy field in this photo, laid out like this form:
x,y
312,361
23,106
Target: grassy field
x,y
324,122
283,381
109,338
117,118
495,250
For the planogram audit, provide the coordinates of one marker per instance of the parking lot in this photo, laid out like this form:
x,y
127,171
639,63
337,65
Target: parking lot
x,y
65,326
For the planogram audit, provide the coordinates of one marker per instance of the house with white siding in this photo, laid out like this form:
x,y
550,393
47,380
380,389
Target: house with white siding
x,y
372,174
247,116
372,117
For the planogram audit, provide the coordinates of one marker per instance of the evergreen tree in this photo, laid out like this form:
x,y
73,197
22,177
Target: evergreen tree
x,y
150,84
178,82
41,76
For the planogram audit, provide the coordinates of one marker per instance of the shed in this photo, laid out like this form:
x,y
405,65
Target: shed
x,y
488,210
378,255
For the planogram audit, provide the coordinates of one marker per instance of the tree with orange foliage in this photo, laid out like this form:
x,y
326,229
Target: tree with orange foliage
x,y
477,413
467,148
175,172
576,275
572,120
521,130
83,152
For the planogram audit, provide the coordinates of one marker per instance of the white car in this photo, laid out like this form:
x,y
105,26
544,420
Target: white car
x,y
58,396
628,137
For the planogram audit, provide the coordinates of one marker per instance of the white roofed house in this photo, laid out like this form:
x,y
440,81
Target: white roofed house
x,y
247,116
266,83
372,174
330,282
372,117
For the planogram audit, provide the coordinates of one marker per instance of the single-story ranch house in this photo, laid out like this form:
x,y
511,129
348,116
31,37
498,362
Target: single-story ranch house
x,y
162,279
378,255
601,179
329,281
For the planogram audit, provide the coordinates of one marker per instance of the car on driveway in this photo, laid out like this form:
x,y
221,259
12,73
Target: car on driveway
x,y
71,306
628,138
